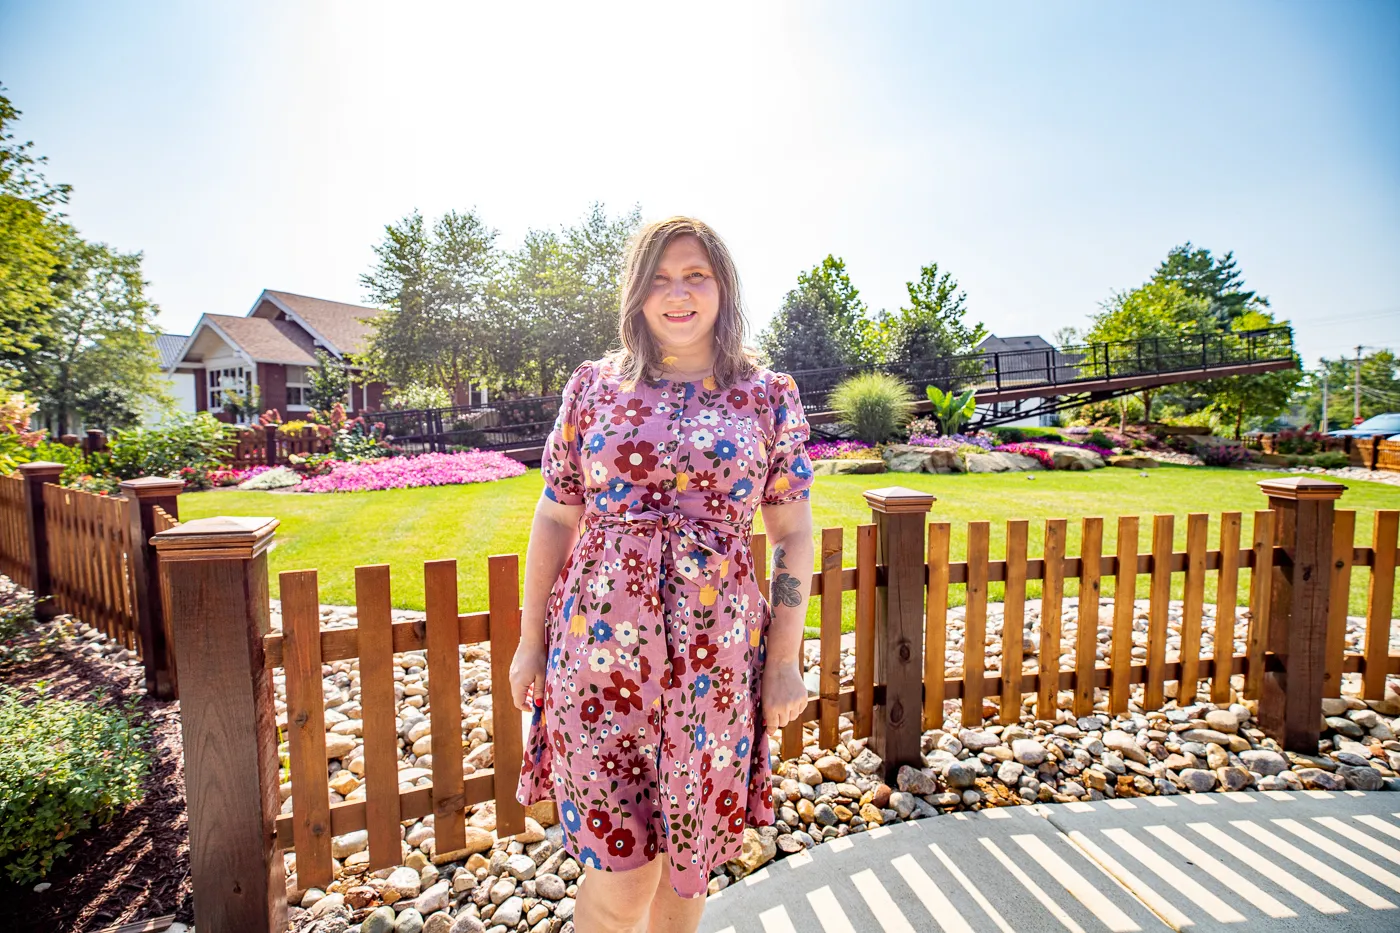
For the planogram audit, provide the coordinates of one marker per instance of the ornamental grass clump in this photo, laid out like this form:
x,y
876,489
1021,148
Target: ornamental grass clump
x,y
874,405
476,466
65,766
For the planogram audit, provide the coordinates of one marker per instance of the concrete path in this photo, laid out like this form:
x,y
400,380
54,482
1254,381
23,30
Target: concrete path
x,y
1276,861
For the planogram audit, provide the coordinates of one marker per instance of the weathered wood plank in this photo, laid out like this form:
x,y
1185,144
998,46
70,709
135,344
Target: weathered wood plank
x,y
1343,547
936,624
1159,595
306,727
865,630
1013,620
1051,608
829,664
377,702
445,701
1226,596
1192,606
975,624
1380,602
503,587
1260,596
1087,614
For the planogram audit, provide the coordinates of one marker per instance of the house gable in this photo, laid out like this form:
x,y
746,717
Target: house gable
x,y
341,328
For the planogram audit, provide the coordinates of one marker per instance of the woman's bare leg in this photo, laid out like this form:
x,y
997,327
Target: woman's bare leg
x,y
671,913
616,901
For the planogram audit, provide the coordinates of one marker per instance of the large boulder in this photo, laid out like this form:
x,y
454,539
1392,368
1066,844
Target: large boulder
x,y
943,460
1072,458
907,458
839,467
996,461
1131,462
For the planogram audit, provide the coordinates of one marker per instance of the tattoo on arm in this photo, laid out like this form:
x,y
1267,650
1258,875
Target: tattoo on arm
x,y
778,557
784,590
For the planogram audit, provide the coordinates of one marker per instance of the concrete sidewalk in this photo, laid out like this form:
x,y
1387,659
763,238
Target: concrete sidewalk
x,y
1278,861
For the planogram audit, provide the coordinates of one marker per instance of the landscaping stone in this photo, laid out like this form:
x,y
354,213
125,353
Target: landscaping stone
x,y
1071,458
1132,462
837,467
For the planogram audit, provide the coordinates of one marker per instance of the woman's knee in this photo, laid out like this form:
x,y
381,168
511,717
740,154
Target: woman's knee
x,y
616,900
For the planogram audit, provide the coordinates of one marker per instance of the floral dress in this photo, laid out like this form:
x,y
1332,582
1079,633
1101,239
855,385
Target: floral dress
x,y
651,734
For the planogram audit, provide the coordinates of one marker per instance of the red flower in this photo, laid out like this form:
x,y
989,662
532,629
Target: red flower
x,y
737,398
610,765
725,675
636,458
559,745
704,480
636,770
632,561
646,668
714,502
621,842
653,601
624,694
706,790
736,822
726,801
633,587
599,822
649,848
591,709
668,676
655,495
633,411
703,654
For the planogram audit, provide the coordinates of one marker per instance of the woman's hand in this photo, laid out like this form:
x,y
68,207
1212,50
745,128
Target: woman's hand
x,y
784,694
527,671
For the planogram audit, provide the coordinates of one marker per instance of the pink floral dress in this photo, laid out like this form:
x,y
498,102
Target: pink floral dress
x,y
651,735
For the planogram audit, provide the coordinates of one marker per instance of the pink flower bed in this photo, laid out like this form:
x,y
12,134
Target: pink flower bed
x,y
475,466
1026,450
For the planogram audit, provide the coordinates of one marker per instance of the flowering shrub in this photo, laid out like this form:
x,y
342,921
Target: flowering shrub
x,y
953,441
407,472
829,450
232,477
312,464
1223,455
16,440
1302,441
1027,450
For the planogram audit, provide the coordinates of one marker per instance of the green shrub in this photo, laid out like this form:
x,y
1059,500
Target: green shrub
x,y
16,618
418,395
1100,439
874,405
952,411
198,441
65,766
1008,435
1331,460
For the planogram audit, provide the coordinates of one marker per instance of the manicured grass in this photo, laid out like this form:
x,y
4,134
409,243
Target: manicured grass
x,y
405,527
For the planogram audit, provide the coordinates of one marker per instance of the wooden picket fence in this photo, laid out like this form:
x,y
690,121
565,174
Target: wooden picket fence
x,y
89,540
256,445
15,553
903,579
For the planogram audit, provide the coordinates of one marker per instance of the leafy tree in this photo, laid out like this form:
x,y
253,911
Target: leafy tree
x,y
932,325
327,383
822,323
1257,397
31,236
1218,280
1155,309
1380,389
100,336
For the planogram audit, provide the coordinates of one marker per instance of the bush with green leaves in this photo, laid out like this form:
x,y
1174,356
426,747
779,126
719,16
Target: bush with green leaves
x,y
952,411
16,618
417,396
65,766
874,405
197,441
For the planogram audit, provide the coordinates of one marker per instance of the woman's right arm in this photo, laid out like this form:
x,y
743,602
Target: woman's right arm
x,y
552,536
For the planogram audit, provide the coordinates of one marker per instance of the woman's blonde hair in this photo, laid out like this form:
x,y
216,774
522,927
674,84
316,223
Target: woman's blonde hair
x,y
639,357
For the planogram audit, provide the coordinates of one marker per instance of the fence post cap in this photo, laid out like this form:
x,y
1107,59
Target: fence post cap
x,y
147,487
222,537
1301,487
893,500
43,469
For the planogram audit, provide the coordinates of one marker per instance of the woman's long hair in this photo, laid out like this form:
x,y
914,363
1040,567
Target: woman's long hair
x,y
639,358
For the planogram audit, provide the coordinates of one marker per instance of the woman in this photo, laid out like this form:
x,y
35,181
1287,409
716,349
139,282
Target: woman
x,y
649,658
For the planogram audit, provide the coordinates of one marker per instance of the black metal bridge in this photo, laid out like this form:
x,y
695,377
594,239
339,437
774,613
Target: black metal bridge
x,y
1009,386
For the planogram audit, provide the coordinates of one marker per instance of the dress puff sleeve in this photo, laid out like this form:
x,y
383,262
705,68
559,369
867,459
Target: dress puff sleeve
x,y
562,462
789,467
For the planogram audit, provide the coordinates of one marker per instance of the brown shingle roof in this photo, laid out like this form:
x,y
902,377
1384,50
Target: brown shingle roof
x,y
345,326
267,341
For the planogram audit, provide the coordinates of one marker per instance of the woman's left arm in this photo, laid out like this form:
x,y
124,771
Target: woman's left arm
x,y
789,529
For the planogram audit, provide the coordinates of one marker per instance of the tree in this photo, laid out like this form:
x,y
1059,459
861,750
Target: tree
x,y
1156,309
1258,397
1380,389
327,383
822,323
436,286
929,332
32,233
1217,280
100,335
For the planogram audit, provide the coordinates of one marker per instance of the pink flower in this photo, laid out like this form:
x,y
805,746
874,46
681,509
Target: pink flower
x,y
473,466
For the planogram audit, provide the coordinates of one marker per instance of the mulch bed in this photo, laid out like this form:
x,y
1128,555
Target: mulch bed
x,y
137,867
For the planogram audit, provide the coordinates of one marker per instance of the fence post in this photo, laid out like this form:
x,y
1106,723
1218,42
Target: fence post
x,y
41,582
899,516
1295,660
215,570
152,628
270,445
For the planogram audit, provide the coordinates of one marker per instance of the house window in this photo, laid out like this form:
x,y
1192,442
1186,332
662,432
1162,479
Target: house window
x,y
298,387
234,377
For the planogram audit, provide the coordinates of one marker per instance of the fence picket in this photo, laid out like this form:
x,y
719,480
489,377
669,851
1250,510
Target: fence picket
x,y
306,727
1343,553
1124,593
1261,581
1159,595
1379,603
975,622
1227,593
1087,614
865,630
1052,593
508,750
1013,625
445,700
1192,607
936,625
372,609
829,664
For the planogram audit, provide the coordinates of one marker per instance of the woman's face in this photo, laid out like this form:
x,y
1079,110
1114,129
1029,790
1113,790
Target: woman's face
x,y
683,304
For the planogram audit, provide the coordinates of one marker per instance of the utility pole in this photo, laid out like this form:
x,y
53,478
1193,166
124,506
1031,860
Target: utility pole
x,y
1323,419
1356,413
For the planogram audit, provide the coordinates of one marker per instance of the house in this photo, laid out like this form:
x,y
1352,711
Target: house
x,y
180,385
271,350
1029,359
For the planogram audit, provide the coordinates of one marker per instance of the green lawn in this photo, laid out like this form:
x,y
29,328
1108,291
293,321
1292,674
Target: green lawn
x,y
335,532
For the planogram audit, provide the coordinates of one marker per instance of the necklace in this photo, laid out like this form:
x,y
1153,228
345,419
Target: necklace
x,y
696,378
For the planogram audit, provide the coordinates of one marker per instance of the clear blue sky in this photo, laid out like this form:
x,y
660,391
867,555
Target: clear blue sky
x,y
1046,154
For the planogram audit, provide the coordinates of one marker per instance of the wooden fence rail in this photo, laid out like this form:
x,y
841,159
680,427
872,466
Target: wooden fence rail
x,y
1300,560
